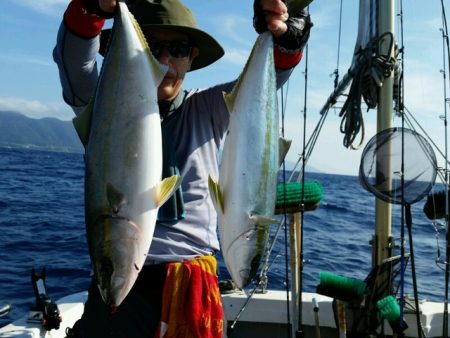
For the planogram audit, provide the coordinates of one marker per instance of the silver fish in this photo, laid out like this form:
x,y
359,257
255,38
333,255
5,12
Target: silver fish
x,y
121,131
245,194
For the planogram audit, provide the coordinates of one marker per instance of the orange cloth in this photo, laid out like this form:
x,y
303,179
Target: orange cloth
x,y
192,306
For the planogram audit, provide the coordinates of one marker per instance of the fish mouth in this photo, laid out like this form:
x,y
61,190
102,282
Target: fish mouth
x,y
117,259
105,270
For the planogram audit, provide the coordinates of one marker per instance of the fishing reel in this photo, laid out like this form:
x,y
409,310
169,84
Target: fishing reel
x,y
5,309
45,311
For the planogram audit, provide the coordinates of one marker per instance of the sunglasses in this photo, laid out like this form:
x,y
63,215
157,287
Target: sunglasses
x,y
176,49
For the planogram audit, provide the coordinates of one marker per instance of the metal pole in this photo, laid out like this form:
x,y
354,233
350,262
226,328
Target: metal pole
x,y
383,210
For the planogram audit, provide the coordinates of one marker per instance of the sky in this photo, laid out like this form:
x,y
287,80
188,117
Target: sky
x,y
29,81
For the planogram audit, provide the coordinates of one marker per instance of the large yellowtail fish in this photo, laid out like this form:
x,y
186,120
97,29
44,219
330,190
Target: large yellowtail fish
x,y
121,131
245,194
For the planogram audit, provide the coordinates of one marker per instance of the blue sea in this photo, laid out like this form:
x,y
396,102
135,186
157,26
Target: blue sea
x,y
42,225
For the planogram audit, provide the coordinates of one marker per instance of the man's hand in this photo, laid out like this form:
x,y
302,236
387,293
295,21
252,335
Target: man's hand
x,y
290,32
276,14
107,6
102,8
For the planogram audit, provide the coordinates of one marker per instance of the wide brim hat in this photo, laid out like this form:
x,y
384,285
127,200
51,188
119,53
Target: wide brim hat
x,y
173,15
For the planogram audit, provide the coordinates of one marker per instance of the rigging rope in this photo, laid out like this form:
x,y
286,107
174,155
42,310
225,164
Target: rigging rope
x,y
373,69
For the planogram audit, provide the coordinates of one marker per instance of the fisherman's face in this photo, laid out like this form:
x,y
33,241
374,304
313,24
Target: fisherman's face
x,y
173,49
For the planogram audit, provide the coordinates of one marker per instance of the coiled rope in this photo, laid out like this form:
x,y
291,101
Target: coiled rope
x,y
374,68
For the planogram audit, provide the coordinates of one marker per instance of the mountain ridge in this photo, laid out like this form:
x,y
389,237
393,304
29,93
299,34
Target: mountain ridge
x,y
48,133
51,134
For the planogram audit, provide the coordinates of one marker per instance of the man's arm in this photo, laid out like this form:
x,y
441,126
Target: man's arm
x,y
75,53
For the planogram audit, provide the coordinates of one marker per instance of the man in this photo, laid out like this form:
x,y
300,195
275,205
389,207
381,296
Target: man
x,y
176,293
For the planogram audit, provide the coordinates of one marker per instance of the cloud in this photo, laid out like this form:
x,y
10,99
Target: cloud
x,y
236,29
424,88
328,154
236,35
236,56
21,59
36,109
324,16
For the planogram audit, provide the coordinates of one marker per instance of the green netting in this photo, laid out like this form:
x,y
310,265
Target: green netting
x,y
290,194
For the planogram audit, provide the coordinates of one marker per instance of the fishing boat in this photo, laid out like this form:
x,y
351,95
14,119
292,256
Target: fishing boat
x,y
341,306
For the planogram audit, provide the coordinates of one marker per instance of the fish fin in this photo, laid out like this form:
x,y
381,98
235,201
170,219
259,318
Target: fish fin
x,y
216,194
159,70
166,188
115,197
229,99
283,148
82,123
260,220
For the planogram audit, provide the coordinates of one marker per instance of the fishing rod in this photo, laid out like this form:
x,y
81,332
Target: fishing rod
x,y
300,332
406,217
446,51
288,310
405,206
336,71
5,309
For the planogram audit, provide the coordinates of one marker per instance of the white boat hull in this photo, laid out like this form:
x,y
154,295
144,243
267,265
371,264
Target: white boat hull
x,y
70,307
265,315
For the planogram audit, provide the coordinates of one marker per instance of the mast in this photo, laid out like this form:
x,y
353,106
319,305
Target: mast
x,y
383,210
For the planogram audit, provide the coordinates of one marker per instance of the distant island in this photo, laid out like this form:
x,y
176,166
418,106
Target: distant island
x,y
51,134
20,131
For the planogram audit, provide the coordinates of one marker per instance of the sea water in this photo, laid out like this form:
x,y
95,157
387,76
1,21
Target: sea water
x,y
42,225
